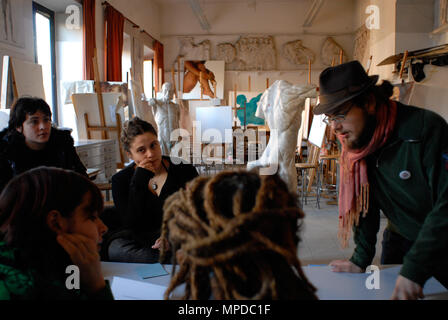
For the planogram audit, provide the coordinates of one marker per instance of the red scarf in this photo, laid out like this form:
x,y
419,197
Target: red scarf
x,y
354,184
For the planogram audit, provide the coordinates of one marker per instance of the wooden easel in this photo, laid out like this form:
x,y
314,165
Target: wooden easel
x,y
102,127
234,107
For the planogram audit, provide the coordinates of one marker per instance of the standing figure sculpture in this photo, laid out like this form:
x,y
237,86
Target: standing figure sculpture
x,y
281,105
167,115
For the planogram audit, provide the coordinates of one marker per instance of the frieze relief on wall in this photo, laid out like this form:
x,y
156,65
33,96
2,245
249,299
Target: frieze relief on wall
x,y
189,50
361,51
331,51
297,53
266,53
256,53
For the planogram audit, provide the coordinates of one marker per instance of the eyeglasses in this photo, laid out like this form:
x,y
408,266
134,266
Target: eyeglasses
x,y
336,118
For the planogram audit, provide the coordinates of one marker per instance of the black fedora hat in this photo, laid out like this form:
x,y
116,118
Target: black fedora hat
x,y
340,84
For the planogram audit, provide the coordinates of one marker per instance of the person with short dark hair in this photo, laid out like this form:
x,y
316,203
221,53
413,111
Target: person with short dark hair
x,y
139,192
49,220
31,141
395,159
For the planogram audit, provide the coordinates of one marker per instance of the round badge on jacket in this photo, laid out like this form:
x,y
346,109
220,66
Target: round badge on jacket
x,y
405,175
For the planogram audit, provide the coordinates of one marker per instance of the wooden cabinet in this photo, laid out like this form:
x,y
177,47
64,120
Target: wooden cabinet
x,y
100,154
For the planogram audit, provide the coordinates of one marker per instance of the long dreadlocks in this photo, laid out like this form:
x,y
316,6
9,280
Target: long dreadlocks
x,y
237,232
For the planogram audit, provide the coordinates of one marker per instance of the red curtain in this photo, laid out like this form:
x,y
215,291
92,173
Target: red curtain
x,y
114,24
88,38
158,65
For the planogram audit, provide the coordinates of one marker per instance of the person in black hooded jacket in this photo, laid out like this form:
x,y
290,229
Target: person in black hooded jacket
x,y
31,141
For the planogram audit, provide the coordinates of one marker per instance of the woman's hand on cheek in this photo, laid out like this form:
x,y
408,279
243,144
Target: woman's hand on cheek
x,y
84,254
146,164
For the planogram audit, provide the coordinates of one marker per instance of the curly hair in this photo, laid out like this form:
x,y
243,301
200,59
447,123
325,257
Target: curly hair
x,y
133,128
238,234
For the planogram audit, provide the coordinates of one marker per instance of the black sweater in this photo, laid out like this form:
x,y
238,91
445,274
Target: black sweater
x,y
141,211
16,157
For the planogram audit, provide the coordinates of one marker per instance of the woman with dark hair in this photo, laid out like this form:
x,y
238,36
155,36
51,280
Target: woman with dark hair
x,y
30,141
139,192
49,221
235,237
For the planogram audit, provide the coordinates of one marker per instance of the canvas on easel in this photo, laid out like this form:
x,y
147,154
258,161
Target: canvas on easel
x,y
88,120
20,78
317,132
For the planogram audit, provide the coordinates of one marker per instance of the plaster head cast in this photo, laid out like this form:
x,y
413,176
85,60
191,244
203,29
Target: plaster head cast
x,y
167,92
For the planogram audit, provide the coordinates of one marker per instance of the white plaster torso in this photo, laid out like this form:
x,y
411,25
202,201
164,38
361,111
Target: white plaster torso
x,y
167,115
282,105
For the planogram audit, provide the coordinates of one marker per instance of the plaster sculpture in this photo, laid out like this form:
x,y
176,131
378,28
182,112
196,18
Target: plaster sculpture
x,y
190,51
361,48
282,105
256,53
331,52
298,54
167,116
226,52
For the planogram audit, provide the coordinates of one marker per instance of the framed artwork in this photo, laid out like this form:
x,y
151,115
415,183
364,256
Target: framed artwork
x,y
208,73
251,98
11,22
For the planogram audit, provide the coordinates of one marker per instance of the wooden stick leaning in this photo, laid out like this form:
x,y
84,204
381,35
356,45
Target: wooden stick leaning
x,y
403,62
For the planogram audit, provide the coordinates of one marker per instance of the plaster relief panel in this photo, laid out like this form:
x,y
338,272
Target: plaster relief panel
x,y
256,53
330,52
191,51
226,51
297,54
361,50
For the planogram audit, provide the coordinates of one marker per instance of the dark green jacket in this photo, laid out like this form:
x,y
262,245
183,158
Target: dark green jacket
x,y
18,282
417,207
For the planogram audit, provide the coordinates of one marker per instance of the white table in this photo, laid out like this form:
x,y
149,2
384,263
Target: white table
x,y
127,284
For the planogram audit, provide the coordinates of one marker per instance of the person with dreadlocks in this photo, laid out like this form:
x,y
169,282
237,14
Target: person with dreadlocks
x,y
235,237
394,158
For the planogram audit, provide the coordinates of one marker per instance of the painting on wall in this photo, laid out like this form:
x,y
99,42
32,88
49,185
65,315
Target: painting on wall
x,y
203,79
251,100
11,23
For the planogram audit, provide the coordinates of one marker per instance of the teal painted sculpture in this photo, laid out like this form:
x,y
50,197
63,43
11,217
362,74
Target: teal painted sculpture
x,y
251,108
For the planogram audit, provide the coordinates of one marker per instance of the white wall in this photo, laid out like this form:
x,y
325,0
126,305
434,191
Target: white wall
x,y
27,52
281,19
382,40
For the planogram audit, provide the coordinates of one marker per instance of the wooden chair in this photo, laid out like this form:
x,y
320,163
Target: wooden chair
x,y
308,170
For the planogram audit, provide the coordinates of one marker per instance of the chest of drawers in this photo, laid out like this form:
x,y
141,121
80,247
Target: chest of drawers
x,y
100,154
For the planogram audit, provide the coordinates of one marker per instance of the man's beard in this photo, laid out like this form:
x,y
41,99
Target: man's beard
x,y
366,135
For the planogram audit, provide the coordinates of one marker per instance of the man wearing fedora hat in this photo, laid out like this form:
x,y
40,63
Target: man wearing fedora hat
x,y
395,159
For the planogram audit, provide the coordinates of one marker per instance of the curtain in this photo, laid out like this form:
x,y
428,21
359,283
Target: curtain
x,y
88,38
158,65
114,25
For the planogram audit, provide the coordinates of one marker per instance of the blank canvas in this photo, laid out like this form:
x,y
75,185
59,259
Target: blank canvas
x,y
88,103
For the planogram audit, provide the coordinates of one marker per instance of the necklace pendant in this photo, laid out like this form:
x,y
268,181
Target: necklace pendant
x,y
154,186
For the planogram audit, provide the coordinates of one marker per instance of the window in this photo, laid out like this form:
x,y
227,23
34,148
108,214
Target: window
x,y
148,79
148,72
44,48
